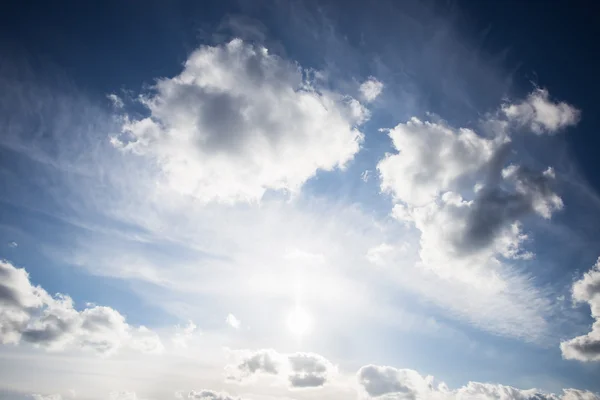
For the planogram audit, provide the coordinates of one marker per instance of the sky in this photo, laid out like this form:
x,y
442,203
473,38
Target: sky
x,y
277,200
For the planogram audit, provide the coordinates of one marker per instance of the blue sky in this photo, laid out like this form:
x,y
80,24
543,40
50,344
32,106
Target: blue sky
x,y
297,200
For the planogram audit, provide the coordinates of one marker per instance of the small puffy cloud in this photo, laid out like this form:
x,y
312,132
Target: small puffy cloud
x,y
542,115
28,313
238,121
430,159
301,370
250,363
405,384
370,89
232,321
308,370
365,176
13,245
586,347
116,101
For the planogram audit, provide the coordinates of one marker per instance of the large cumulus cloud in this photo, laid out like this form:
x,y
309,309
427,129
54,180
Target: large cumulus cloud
x,y
28,313
238,121
434,159
467,199
586,347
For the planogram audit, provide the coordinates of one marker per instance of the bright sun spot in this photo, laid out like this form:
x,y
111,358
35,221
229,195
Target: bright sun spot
x,y
299,321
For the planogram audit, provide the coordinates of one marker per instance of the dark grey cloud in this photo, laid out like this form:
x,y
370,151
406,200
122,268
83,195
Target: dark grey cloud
x,y
500,203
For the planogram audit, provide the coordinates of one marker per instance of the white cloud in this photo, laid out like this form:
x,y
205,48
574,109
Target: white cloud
x,y
209,395
28,313
377,254
13,244
233,321
183,334
586,347
430,159
371,89
405,384
238,121
46,397
300,370
116,101
466,205
365,175
542,115
458,234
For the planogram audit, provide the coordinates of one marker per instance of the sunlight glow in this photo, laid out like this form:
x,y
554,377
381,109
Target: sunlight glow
x,y
299,321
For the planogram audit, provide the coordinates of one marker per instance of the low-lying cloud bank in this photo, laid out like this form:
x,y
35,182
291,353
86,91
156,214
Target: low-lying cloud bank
x,y
405,384
30,314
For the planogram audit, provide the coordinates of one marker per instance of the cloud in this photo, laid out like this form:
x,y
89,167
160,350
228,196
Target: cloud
x,y
370,89
405,384
233,321
498,206
209,395
430,159
28,313
302,370
377,254
183,334
13,244
46,397
455,187
116,101
458,234
586,347
540,114
238,121
251,363
308,370
378,381
123,395
365,175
